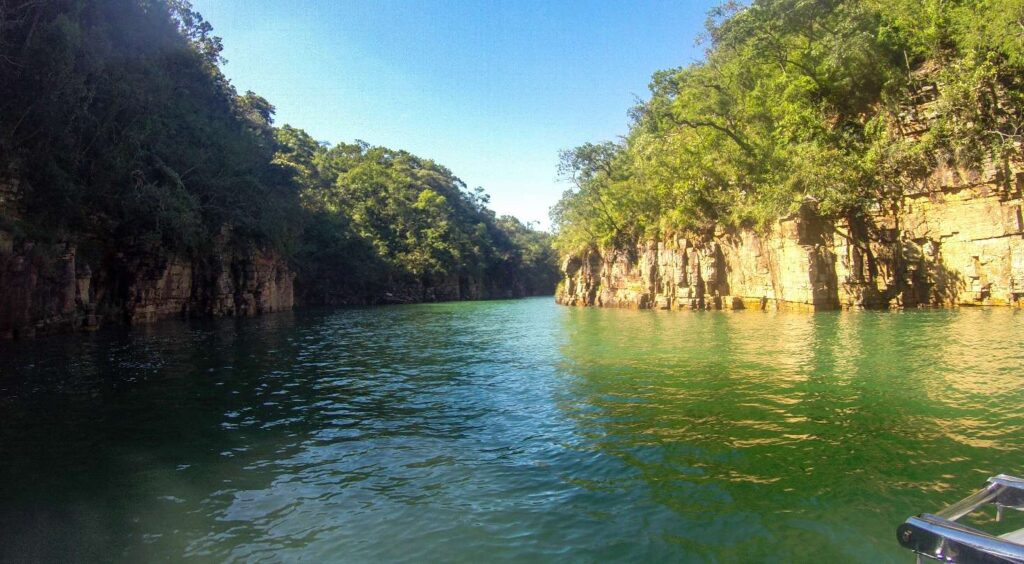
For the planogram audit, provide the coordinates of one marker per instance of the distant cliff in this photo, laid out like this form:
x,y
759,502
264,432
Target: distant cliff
x,y
54,287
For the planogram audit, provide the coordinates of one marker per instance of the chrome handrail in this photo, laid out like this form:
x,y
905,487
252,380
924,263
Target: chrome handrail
x,y
940,537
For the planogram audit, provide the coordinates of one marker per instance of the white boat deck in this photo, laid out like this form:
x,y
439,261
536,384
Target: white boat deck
x,y
1014,536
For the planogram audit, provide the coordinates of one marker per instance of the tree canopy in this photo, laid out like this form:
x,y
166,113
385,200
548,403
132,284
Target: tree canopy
x,y
797,99
409,218
123,133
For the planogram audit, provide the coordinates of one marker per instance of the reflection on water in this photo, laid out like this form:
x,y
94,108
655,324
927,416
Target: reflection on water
x,y
813,430
504,431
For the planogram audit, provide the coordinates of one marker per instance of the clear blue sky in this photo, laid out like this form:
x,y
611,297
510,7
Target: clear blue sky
x,y
490,89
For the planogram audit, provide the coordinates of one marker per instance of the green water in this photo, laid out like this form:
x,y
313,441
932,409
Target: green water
x,y
494,431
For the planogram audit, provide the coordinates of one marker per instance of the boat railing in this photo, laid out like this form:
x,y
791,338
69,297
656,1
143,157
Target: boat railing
x,y
940,537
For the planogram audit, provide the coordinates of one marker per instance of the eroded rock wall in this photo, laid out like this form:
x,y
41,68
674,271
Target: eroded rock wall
x,y
226,284
39,289
49,289
957,240
792,266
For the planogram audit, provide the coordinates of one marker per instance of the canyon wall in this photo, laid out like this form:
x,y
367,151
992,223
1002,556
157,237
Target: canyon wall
x,y
49,289
60,287
957,240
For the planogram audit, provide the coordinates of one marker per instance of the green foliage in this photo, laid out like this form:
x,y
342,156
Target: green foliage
x,y
798,99
411,219
527,255
126,135
122,126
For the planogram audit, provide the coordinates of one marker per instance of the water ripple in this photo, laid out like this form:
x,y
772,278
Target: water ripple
x,y
504,431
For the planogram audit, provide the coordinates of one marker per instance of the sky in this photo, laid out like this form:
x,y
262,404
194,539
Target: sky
x,y
492,90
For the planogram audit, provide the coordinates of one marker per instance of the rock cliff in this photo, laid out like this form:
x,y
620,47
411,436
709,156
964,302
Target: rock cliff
x,y
48,288
957,240
52,288
59,287
83,283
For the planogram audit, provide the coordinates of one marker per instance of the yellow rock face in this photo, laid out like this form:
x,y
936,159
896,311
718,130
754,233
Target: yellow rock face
x,y
957,240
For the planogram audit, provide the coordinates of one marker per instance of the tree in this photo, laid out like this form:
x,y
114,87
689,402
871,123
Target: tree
x,y
798,99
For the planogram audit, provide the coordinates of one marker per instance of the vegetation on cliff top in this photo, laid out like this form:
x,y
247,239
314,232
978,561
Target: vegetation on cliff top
x,y
797,99
124,135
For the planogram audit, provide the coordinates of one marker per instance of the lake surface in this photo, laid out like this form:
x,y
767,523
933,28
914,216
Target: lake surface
x,y
515,430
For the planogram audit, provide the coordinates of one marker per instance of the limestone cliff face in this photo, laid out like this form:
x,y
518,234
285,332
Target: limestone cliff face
x,y
48,289
958,240
794,264
37,290
51,288
226,284
453,288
